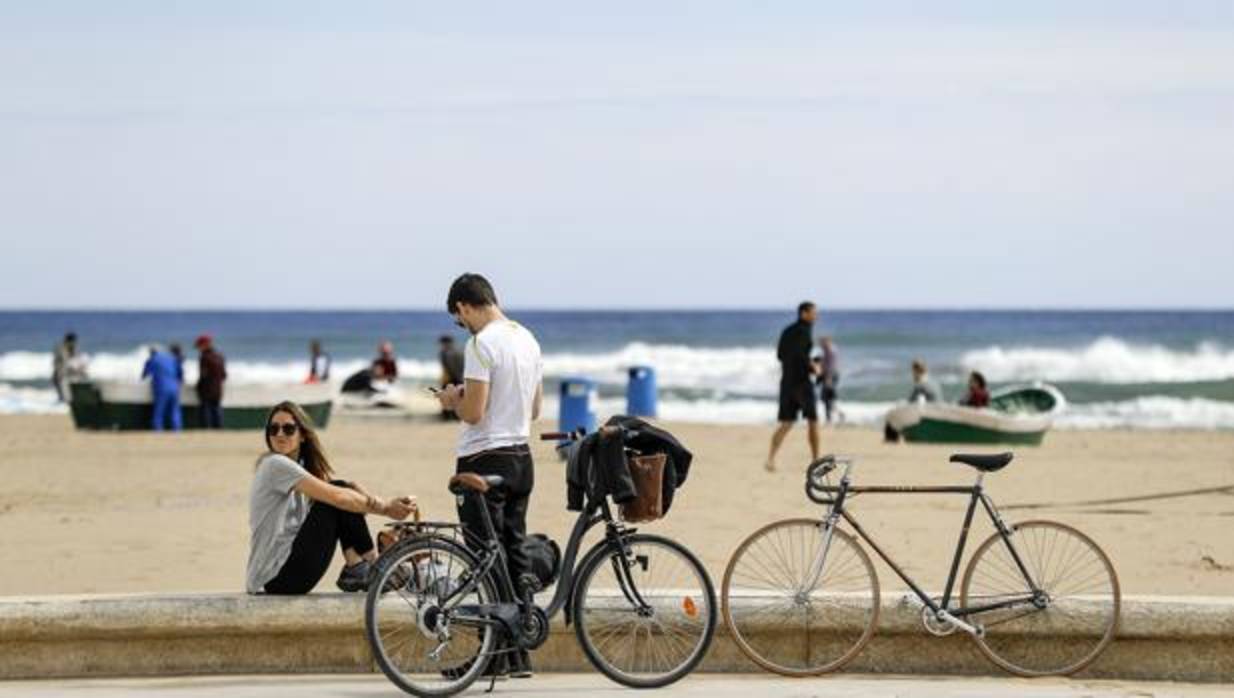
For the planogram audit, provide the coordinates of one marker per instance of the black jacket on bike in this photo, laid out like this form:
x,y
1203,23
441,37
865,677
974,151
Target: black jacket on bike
x,y
602,463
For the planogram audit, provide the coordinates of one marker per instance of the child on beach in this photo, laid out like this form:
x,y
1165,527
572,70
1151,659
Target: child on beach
x,y
298,512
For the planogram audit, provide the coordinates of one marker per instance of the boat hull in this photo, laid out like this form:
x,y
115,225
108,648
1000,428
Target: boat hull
x,y
128,407
1018,415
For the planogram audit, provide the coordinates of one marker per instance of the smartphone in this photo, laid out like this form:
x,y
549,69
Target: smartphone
x,y
433,390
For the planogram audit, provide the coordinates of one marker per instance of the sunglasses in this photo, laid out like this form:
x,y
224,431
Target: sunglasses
x,y
288,429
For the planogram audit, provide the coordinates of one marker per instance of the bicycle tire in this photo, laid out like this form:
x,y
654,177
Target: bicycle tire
x,y
1065,562
407,552
778,543
593,647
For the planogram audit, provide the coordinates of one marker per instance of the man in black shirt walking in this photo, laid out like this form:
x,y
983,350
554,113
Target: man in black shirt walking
x,y
796,388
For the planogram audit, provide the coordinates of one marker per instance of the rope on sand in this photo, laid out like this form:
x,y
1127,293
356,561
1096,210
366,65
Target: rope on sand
x,y
1225,489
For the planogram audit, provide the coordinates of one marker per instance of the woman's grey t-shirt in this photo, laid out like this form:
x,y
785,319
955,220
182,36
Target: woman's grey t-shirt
x,y
276,512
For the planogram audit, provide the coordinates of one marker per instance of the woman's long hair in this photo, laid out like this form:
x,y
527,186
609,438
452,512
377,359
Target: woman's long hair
x,y
312,455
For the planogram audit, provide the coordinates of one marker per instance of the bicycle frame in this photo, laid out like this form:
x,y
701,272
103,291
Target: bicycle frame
x,y
941,609
494,561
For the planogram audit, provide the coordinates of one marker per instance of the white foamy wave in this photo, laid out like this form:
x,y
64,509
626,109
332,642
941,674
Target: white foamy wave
x,y
742,370
735,370
33,366
21,400
1152,412
1106,360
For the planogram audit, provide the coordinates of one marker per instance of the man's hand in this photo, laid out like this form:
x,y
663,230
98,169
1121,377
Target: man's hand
x,y
450,396
401,508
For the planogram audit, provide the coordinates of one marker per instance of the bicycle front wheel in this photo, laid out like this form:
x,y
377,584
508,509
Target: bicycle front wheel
x,y
800,602
1058,631
423,634
646,620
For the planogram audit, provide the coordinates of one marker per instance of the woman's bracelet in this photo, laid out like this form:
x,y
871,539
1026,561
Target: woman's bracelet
x,y
373,504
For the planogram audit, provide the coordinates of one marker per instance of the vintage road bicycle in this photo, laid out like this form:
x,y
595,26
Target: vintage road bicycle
x,y
442,605
801,596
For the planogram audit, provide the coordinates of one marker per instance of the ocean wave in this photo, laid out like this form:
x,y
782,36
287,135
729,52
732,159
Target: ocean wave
x,y
1105,360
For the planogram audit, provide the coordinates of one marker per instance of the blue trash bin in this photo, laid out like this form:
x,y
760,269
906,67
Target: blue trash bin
x,y
577,404
641,392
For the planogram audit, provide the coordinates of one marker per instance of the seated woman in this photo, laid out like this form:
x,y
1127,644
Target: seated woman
x,y
298,514
977,395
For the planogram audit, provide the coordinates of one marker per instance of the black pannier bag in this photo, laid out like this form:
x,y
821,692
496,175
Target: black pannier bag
x,y
544,557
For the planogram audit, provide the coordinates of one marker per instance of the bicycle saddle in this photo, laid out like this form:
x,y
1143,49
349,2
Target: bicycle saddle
x,y
985,462
476,483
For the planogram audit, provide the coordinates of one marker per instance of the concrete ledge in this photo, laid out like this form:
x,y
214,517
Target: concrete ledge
x,y
1170,638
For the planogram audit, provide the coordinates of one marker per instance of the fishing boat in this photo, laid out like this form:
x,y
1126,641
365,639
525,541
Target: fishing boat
x,y
1018,414
122,405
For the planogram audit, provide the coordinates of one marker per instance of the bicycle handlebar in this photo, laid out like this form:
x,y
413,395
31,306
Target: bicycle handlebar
x,y
605,432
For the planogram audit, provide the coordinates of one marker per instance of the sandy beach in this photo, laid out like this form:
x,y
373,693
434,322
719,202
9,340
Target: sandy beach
x,y
84,512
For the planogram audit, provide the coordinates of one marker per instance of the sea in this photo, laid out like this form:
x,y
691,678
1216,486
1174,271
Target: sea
x,y
1118,369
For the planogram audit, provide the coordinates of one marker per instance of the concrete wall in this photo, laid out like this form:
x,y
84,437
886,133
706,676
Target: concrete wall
x,y
1186,639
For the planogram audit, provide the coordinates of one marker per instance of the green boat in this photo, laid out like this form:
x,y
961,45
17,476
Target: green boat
x,y
1017,415
124,406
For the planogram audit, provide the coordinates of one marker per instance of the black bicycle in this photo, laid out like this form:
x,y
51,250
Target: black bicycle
x,y
442,605
1039,598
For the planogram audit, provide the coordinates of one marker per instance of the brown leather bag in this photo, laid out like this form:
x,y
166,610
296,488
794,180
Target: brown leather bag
x,y
648,475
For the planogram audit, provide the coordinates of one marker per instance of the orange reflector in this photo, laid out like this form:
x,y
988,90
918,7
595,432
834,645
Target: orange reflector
x,y
687,605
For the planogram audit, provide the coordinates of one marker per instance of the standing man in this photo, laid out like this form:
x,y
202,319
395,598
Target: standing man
x,y
319,363
62,363
796,386
828,377
165,376
500,397
451,367
212,371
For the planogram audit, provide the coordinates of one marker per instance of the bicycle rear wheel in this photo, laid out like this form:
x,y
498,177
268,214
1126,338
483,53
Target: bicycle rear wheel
x,y
413,623
791,615
656,645
1058,632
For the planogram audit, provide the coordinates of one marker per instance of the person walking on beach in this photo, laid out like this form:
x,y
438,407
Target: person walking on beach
x,y
65,365
166,377
828,376
299,513
211,372
796,386
451,367
319,363
501,395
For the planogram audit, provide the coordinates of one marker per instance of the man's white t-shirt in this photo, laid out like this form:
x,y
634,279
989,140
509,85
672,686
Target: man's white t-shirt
x,y
507,357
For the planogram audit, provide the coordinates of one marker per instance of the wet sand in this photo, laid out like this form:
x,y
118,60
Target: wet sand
x,y
84,512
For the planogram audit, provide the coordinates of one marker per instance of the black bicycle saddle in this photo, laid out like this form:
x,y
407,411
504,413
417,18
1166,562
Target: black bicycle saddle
x,y
985,462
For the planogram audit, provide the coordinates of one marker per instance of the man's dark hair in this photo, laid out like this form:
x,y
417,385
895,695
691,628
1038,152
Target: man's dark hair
x,y
70,337
804,307
472,289
445,339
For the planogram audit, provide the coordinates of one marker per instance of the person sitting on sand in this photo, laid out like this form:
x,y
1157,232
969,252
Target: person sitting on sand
x,y
385,366
298,512
978,395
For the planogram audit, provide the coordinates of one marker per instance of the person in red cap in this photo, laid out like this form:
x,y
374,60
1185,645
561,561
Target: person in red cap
x,y
212,371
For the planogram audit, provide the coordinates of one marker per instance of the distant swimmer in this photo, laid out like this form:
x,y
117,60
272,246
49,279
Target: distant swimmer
x,y
319,363
796,386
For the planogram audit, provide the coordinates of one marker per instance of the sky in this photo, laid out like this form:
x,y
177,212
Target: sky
x,y
641,155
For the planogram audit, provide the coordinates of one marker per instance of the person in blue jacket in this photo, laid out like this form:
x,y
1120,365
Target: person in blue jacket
x,y
166,375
